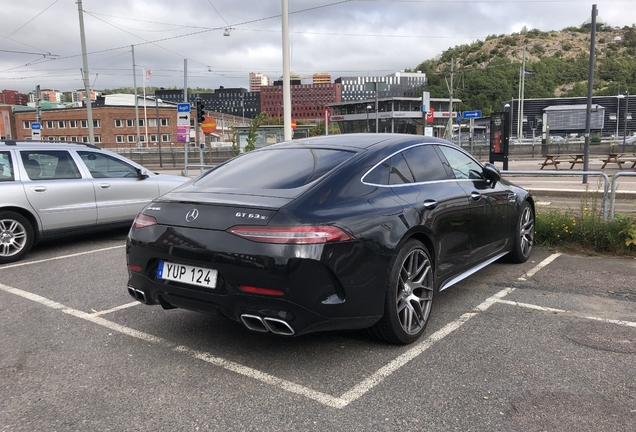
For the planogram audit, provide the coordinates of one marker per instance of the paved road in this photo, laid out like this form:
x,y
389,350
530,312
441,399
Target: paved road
x,y
546,345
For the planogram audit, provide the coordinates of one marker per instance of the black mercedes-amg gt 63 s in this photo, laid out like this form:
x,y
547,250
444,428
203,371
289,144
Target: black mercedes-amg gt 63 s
x,y
335,232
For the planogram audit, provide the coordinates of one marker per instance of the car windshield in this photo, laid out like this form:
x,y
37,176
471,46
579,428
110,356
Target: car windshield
x,y
286,168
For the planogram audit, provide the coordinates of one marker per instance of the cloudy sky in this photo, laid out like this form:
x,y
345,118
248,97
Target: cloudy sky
x,y
40,39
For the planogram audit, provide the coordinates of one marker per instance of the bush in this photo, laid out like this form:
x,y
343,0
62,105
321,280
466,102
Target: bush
x,y
586,233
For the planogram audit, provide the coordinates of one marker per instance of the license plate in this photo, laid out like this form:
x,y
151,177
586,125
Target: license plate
x,y
187,274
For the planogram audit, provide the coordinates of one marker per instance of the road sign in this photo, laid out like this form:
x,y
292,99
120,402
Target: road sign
x,y
471,114
36,131
183,114
208,125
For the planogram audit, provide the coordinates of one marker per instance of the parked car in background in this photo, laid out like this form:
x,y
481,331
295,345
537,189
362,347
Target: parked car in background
x,y
54,189
323,233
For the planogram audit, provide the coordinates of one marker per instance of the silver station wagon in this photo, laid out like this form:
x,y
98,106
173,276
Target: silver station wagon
x,y
54,189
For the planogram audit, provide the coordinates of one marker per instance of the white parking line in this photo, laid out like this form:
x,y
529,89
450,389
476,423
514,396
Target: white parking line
x,y
21,264
539,266
117,308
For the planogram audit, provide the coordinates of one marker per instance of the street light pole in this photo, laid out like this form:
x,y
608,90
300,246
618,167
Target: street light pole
x,y
368,109
618,113
590,83
625,122
158,131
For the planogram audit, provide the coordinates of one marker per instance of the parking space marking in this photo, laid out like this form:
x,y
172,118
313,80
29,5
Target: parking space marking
x,y
349,396
117,308
539,266
531,306
21,264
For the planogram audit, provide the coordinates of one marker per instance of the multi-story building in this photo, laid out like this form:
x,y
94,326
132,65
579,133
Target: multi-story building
x,y
78,96
258,80
309,101
13,97
399,84
321,78
48,95
233,101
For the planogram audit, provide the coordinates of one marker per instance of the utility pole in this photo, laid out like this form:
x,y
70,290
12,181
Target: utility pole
x,y
89,108
590,82
449,127
287,108
522,86
132,47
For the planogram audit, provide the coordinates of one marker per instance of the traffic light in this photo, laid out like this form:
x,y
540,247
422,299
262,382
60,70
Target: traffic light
x,y
200,111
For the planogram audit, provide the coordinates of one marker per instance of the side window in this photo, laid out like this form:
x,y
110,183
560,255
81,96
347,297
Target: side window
x,y
400,171
425,164
391,171
105,166
6,167
49,165
463,166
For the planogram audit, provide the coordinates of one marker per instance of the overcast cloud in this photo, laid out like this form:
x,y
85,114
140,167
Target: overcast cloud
x,y
343,38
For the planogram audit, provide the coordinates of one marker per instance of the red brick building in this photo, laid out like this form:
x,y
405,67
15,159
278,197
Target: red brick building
x,y
114,126
309,101
13,97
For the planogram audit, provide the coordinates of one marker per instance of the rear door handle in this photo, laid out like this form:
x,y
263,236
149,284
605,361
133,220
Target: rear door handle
x,y
104,185
38,189
475,195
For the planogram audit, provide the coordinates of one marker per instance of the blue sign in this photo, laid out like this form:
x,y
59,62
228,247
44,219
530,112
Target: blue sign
x,y
36,126
471,114
183,107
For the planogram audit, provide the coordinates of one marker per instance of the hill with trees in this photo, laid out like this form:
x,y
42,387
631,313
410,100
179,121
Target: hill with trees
x,y
487,73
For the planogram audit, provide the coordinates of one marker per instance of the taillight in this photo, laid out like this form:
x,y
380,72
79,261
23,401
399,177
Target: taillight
x,y
291,235
142,221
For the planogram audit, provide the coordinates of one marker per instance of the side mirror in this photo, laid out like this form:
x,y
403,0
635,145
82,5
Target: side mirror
x,y
141,174
491,172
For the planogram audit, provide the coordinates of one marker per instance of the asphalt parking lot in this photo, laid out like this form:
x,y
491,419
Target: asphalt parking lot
x,y
546,345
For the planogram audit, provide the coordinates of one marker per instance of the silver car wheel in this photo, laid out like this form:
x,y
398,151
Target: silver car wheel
x,y
526,231
13,237
415,292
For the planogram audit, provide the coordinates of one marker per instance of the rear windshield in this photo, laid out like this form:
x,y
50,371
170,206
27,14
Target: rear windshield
x,y
286,168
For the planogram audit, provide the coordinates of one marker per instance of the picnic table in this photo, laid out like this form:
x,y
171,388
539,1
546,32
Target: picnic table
x,y
614,158
552,159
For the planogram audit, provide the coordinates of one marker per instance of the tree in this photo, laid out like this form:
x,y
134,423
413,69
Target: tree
x,y
251,134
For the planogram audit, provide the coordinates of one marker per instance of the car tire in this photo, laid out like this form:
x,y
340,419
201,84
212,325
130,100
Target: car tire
x,y
524,235
16,236
409,296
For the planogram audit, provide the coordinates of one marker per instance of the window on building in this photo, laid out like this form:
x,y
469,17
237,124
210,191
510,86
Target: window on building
x,y
119,138
84,139
61,124
50,124
130,122
165,137
131,138
26,124
97,138
142,122
84,124
164,122
97,123
73,139
62,138
72,123
152,122
119,123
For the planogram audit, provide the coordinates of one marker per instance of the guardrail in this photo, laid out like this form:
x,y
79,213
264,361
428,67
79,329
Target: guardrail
x,y
606,181
613,197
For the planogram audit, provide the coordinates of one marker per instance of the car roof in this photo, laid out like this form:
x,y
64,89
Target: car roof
x,y
26,145
359,141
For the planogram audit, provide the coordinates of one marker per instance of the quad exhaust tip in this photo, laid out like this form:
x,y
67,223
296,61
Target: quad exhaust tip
x,y
138,295
267,324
